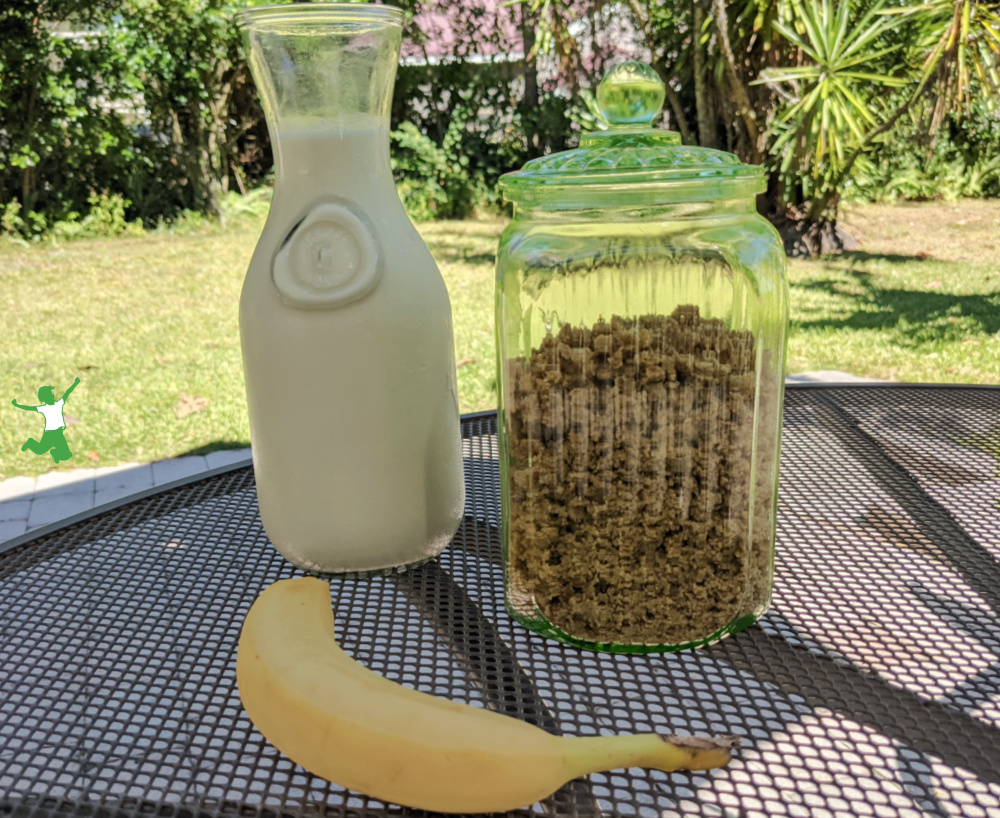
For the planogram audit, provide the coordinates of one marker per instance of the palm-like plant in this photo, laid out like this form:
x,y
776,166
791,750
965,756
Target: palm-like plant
x,y
831,100
959,44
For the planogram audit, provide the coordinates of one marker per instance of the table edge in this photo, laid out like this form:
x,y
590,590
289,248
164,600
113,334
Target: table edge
x,y
51,528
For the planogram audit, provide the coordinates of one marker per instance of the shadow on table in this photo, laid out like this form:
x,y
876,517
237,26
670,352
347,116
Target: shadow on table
x,y
489,662
939,728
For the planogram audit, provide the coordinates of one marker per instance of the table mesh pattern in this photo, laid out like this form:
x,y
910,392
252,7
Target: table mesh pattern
x,y
871,688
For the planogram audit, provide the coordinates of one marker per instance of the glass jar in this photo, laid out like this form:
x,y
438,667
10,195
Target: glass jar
x,y
641,318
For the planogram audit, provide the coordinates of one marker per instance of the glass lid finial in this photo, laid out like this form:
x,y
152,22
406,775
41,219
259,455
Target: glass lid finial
x,y
631,94
630,158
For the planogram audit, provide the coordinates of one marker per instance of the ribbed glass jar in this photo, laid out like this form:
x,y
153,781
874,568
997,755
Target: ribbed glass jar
x,y
641,318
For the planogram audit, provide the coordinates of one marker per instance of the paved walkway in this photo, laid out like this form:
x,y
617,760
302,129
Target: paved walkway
x,y
29,502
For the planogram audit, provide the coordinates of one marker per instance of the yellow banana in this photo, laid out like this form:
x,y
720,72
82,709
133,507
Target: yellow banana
x,y
351,726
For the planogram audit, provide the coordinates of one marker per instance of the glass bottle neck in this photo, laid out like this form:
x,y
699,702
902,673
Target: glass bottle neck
x,y
325,74
322,69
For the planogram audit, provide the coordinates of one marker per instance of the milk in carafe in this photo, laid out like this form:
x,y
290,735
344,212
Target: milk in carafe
x,y
348,352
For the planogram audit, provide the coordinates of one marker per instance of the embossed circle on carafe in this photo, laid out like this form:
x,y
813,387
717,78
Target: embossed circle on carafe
x,y
330,258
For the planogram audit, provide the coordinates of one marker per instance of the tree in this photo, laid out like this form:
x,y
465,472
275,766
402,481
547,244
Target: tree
x,y
829,108
142,99
191,72
63,71
807,87
958,43
836,108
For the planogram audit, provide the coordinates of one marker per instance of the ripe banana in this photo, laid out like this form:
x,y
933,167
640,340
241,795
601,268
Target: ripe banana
x,y
351,726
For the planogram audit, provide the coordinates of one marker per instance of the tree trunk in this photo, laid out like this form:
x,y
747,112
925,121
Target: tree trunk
x,y
678,120
737,86
28,173
212,180
677,109
805,239
703,100
530,101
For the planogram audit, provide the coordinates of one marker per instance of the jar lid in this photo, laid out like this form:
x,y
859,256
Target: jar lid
x,y
631,163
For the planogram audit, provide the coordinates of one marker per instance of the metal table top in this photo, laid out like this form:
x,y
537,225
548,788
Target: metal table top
x,y
871,688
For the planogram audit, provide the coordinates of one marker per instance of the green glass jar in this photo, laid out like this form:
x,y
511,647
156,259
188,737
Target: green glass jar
x,y
641,321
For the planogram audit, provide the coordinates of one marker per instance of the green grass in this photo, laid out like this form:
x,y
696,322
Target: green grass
x,y
466,254
142,320
919,302
139,321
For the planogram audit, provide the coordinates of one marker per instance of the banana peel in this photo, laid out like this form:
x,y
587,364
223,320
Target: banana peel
x,y
346,724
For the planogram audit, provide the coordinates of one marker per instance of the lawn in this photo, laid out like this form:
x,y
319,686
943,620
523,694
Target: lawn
x,y
918,302
149,324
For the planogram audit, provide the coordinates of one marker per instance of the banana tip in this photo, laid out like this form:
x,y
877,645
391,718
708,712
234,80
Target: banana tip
x,y
706,753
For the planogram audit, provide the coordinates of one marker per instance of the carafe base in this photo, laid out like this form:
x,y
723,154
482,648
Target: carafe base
x,y
348,572
374,572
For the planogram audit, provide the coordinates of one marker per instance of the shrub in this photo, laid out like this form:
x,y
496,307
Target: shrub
x,y
962,160
435,181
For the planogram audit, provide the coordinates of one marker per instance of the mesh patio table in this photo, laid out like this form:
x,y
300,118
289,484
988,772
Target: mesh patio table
x,y
872,687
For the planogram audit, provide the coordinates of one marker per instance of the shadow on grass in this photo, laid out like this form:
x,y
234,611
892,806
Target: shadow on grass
x,y
459,254
863,257
215,446
480,258
917,314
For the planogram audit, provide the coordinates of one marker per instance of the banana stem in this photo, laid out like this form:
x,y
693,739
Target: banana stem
x,y
668,753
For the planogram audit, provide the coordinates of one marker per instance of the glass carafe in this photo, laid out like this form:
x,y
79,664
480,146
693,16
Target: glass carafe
x,y
345,321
